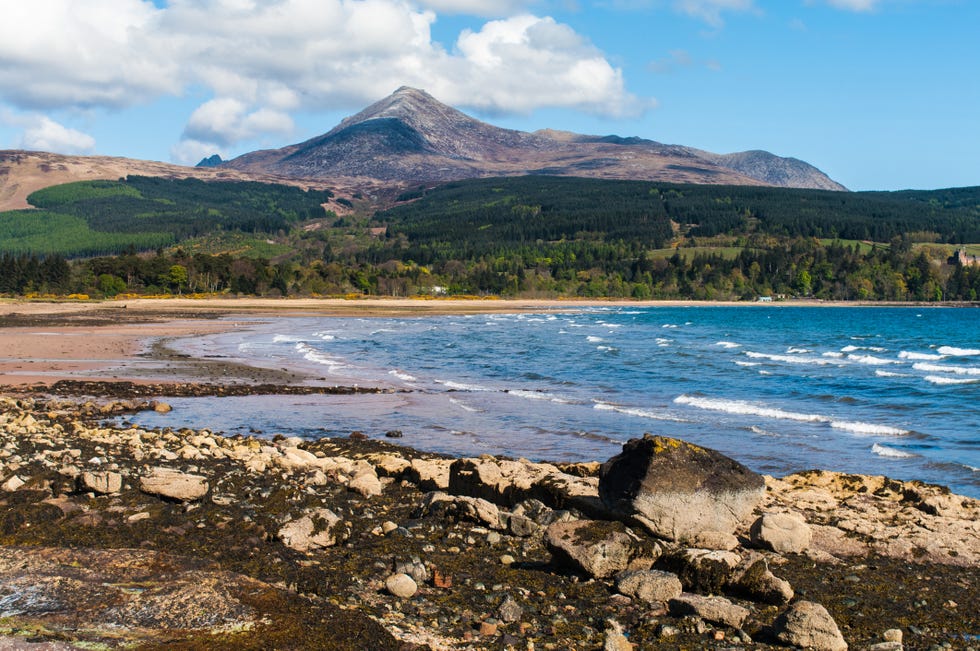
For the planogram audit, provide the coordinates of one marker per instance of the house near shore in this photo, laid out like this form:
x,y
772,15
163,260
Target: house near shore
x,y
962,258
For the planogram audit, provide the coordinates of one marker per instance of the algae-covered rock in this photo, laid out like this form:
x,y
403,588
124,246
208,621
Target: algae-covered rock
x,y
601,549
678,490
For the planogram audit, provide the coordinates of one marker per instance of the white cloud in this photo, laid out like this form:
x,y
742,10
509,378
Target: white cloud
x,y
710,11
41,133
260,61
854,5
191,152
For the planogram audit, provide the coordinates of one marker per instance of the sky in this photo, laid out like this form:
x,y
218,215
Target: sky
x,y
879,94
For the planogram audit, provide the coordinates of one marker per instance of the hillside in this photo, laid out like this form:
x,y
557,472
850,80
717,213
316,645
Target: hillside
x,y
410,137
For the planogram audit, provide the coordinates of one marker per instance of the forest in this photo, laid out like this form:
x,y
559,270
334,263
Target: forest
x,y
527,236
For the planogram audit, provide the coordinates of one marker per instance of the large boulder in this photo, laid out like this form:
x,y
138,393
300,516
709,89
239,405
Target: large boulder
x,y
808,625
321,528
677,490
173,484
599,548
782,532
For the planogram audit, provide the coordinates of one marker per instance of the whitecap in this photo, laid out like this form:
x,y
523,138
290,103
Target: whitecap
x,y
743,408
402,375
605,349
663,342
461,386
943,368
834,355
593,340
870,359
953,351
793,350
639,413
869,429
891,453
761,432
945,380
881,373
905,354
286,339
538,395
740,363
849,349
669,325
728,344
789,359
311,354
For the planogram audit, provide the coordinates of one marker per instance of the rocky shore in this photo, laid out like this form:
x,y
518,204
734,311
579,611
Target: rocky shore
x,y
179,539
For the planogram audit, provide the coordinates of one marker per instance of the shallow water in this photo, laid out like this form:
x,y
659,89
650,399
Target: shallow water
x,y
889,391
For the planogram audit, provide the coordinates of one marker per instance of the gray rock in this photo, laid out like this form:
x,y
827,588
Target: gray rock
x,y
401,585
807,624
599,548
716,610
322,528
678,490
103,483
651,586
510,611
782,533
173,484
414,568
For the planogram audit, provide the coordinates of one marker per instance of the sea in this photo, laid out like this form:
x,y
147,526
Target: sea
x,y
874,390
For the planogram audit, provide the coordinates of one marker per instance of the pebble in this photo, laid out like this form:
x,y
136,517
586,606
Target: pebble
x,y
507,559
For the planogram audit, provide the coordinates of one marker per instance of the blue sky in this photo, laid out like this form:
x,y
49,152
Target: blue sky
x,y
880,94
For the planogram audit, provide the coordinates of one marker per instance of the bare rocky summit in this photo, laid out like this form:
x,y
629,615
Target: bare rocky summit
x,y
410,137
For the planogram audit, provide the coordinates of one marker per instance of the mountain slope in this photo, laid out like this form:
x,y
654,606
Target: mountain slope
x,y
410,137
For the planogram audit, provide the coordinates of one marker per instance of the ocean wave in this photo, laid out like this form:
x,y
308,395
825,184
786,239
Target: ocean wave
x,y
741,363
946,380
728,344
881,373
789,359
834,355
461,386
606,349
465,407
920,357
761,432
401,375
943,368
953,351
663,342
639,413
743,408
282,339
593,340
538,395
891,453
871,360
670,325
311,354
793,350
325,336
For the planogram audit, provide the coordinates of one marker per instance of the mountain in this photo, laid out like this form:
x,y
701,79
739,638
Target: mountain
x,y
410,137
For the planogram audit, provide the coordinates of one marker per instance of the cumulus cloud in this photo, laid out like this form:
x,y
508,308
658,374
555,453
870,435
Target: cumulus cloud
x,y
41,133
261,61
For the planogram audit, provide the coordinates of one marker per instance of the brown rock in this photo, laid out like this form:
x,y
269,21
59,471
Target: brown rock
x,y
103,483
782,532
679,490
599,548
808,625
716,610
651,586
173,484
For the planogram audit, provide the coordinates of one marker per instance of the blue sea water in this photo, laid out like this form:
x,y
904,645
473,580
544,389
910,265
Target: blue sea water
x,y
893,391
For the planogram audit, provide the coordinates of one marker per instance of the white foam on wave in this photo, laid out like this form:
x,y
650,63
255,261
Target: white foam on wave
x,y
461,386
849,349
744,408
286,339
401,375
593,340
761,432
663,342
881,373
727,344
946,380
868,429
538,395
789,359
749,364
871,360
605,349
793,350
891,453
311,354
920,357
953,351
834,355
670,325
637,412
326,336
944,368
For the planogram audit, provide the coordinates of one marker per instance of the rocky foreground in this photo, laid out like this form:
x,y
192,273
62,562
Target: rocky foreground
x,y
123,537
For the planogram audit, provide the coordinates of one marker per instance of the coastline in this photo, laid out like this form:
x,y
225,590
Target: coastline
x,y
908,553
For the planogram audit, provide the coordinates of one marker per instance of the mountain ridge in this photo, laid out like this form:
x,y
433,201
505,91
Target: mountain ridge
x,y
410,137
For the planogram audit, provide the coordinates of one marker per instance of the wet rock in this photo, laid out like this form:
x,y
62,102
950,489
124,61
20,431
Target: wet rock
x,y
599,548
702,570
104,483
678,490
781,532
651,586
716,610
161,407
807,624
173,484
322,528
401,585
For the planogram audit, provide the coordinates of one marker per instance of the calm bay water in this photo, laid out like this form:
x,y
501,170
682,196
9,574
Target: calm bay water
x,y
891,391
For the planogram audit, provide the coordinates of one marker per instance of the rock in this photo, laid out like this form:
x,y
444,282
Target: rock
x,y
510,611
161,407
430,474
755,581
599,548
702,570
401,585
414,568
366,484
651,586
781,532
103,483
893,635
322,528
678,490
12,484
388,526
712,540
716,610
807,624
501,481
173,484
615,639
